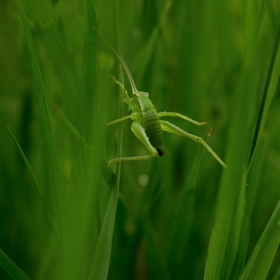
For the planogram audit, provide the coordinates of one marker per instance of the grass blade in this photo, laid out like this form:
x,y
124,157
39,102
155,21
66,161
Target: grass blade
x,y
91,76
40,91
254,179
146,53
11,268
231,206
257,149
100,264
262,257
47,212
269,91
101,261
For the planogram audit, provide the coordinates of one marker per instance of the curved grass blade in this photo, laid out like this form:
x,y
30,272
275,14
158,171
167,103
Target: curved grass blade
x,y
262,257
46,210
11,268
40,91
101,260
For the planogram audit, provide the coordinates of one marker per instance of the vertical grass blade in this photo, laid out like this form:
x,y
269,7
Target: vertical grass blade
x,y
40,91
146,53
101,261
258,148
276,275
254,179
231,199
269,91
11,268
262,257
91,101
231,206
100,264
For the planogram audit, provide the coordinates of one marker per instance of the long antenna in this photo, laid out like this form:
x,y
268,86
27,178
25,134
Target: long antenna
x,y
133,87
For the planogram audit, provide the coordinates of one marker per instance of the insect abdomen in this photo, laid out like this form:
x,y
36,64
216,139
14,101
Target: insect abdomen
x,y
151,123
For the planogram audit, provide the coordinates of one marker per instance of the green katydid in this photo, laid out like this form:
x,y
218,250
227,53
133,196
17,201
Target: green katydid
x,y
147,125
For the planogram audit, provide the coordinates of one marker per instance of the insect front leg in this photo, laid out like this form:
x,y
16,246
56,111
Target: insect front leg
x,y
173,114
139,132
169,127
124,91
132,117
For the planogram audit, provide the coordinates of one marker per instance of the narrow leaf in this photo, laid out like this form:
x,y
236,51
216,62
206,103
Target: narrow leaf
x,y
11,268
101,261
40,91
262,257
269,91
37,187
91,97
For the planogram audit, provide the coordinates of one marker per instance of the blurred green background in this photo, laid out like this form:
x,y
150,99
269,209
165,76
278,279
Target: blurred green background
x,y
179,217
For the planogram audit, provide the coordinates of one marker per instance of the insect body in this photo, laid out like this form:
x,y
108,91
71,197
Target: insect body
x,y
147,125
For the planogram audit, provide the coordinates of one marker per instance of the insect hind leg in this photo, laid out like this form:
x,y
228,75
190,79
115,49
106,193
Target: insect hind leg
x,y
174,114
171,128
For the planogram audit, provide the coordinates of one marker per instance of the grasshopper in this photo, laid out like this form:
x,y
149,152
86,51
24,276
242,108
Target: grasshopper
x,y
147,125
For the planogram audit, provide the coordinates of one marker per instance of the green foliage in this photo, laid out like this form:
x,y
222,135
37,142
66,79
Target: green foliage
x,y
11,268
64,216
